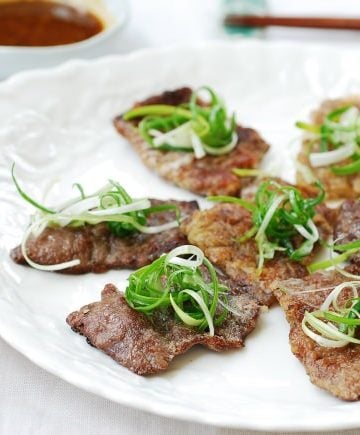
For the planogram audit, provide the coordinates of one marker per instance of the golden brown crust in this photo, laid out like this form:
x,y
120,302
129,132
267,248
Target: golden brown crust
x,y
335,370
336,186
215,232
210,175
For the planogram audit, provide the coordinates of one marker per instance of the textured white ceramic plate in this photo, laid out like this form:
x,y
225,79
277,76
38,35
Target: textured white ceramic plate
x,y
58,124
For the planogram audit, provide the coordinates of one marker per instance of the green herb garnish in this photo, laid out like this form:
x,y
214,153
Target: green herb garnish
x,y
345,251
111,204
193,127
335,324
339,139
279,214
188,286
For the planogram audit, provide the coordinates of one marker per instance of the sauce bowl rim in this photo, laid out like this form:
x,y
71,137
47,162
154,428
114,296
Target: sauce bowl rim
x,y
121,14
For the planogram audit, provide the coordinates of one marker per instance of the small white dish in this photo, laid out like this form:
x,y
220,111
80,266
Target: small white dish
x,y
112,12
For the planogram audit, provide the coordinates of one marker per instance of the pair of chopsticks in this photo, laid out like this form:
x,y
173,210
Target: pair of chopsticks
x,y
234,20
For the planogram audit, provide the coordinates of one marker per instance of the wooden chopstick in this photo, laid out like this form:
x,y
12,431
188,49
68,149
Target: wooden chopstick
x,y
307,22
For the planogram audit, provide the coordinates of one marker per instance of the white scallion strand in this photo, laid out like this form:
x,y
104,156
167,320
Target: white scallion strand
x,y
36,228
268,216
142,204
198,146
49,268
223,150
70,202
341,269
181,283
328,158
343,132
346,273
333,296
224,305
260,236
187,319
196,296
313,236
196,259
184,137
156,228
92,219
88,210
76,208
326,334
179,136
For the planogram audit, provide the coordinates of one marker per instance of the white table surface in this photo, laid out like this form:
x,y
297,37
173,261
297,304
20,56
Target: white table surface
x,y
33,401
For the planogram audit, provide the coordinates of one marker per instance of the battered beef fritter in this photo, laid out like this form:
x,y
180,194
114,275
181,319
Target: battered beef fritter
x,y
147,345
336,186
215,232
333,369
210,175
100,250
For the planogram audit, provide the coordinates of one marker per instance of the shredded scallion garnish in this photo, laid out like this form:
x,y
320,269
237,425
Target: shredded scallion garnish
x,y
184,281
335,324
110,204
193,127
339,254
338,138
279,214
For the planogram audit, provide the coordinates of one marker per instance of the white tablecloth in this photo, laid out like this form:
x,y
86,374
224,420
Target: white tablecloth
x,y
33,401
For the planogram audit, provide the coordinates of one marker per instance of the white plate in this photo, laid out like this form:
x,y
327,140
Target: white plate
x,y
58,124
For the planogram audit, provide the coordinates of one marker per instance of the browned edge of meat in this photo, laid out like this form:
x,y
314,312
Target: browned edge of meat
x,y
100,250
347,225
211,175
333,369
147,345
336,186
216,230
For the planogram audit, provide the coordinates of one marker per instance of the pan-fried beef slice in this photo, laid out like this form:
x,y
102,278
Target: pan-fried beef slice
x,y
100,250
147,345
336,186
335,370
207,176
347,226
215,232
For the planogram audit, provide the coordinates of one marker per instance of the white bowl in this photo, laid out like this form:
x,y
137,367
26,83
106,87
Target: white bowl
x,y
112,12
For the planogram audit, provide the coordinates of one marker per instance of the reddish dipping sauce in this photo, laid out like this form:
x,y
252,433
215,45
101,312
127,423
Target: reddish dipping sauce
x,y
42,23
